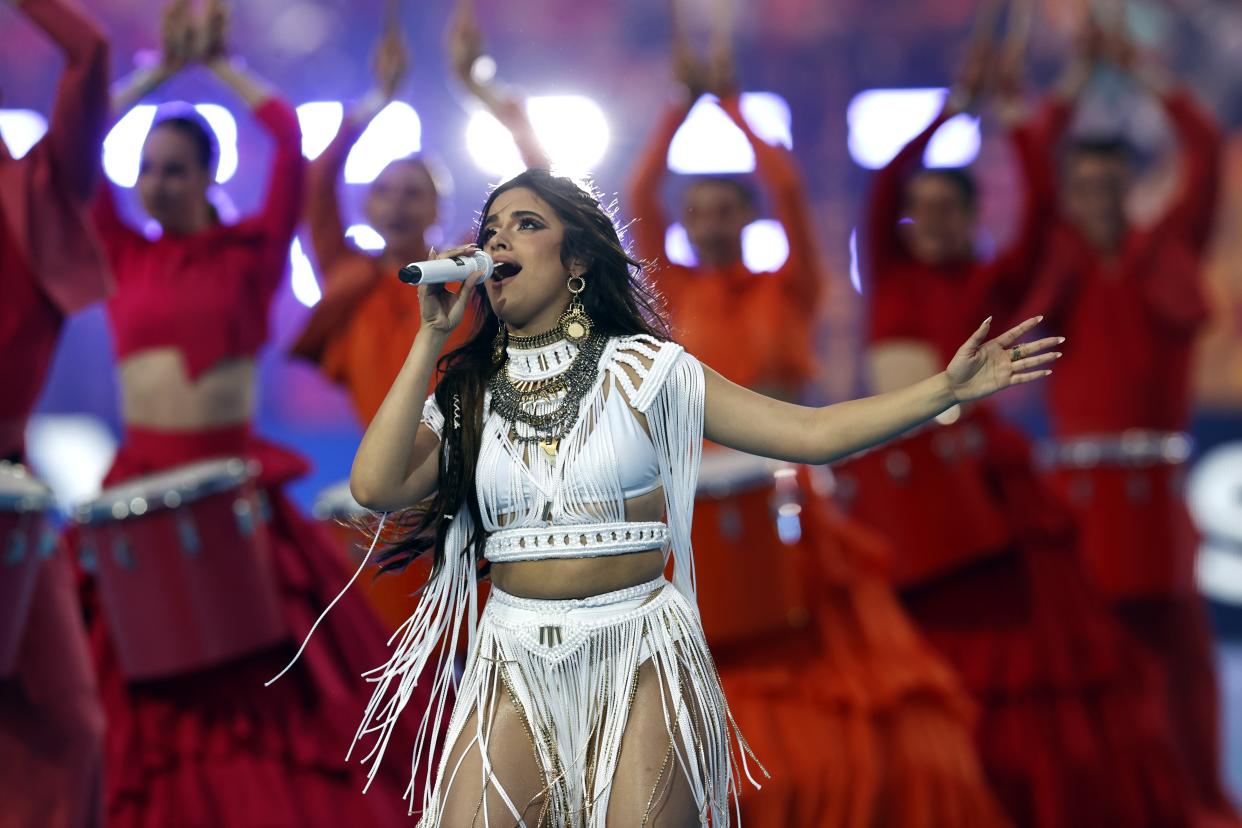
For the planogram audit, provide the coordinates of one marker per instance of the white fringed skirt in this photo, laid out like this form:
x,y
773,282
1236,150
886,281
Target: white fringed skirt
x,y
570,667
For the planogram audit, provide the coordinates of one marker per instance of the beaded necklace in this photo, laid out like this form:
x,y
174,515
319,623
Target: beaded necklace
x,y
539,388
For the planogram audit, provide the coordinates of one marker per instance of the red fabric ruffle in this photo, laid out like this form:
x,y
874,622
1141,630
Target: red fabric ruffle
x,y
1071,729
856,720
217,748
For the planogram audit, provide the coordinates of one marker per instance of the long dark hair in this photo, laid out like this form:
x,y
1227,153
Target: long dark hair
x,y
619,302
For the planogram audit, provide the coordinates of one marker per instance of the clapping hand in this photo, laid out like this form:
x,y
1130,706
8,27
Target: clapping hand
x,y
178,38
390,62
981,367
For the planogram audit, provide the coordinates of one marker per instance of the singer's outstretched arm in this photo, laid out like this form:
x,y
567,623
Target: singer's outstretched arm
x,y
742,419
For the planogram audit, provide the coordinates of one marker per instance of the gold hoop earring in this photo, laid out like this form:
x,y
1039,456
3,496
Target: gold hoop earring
x,y
574,323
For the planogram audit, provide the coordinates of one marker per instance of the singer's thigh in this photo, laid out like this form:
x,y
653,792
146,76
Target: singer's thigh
x,y
649,786
472,796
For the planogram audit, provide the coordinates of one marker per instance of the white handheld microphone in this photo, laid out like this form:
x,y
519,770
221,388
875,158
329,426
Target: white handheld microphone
x,y
440,271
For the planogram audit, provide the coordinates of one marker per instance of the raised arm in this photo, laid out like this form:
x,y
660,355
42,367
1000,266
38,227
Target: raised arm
x,y
80,113
323,208
646,184
180,45
1193,210
742,419
1011,272
465,48
282,203
390,62
778,171
397,461
887,195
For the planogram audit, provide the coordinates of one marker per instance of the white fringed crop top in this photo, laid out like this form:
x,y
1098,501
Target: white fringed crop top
x,y
571,503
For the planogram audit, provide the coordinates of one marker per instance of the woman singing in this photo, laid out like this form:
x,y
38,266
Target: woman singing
x,y
559,454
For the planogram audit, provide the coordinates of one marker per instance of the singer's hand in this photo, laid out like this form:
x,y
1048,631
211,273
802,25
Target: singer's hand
x,y
442,310
981,367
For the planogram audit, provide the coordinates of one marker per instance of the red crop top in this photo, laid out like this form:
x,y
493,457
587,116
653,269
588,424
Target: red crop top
x,y
207,294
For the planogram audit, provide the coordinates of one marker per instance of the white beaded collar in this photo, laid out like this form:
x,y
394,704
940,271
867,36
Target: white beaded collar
x,y
536,364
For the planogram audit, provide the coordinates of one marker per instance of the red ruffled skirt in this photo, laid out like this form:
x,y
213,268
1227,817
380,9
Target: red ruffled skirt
x,y
1072,730
217,748
1139,549
856,720
51,720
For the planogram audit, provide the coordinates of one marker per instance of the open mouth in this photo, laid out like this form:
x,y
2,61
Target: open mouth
x,y
505,270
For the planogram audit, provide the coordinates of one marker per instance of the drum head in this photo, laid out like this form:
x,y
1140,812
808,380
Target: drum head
x,y
336,501
168,489
725,472
21,491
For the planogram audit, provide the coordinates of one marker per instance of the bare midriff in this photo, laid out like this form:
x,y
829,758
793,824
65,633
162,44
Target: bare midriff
x,y
582,577
158,392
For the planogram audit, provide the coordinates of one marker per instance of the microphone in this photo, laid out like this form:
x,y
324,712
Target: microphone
x,y
440,271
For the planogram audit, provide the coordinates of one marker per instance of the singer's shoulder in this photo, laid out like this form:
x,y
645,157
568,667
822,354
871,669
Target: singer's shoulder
x,y
644,363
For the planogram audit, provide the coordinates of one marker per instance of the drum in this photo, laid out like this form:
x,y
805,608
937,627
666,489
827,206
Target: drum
x,y
932,496
26,539
751,560
185,570
391,595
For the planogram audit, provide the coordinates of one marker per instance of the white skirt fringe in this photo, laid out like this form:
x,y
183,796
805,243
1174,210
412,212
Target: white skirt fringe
x,y
570,666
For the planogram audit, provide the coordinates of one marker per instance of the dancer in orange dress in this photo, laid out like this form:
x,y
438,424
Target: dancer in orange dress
x,y
1132,298
360,331
203,743
1071,732
51,719
857,722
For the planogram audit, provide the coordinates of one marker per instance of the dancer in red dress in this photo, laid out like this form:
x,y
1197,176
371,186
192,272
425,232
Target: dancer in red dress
x,y
1069,734
51,720
857,722
212,746
1131,299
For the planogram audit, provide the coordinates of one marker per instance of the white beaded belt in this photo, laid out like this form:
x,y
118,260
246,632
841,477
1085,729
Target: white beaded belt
x,y
592,540
1129,448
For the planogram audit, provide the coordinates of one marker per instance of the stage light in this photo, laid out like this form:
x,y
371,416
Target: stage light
x,y
72,453
764,246
574,152
320,121
222,124
122,147
394,133
577,149
882,121
302,276
21,129
709,143
365,236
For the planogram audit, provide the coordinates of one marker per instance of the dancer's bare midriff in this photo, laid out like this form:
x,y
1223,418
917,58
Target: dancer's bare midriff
x,y
158,392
